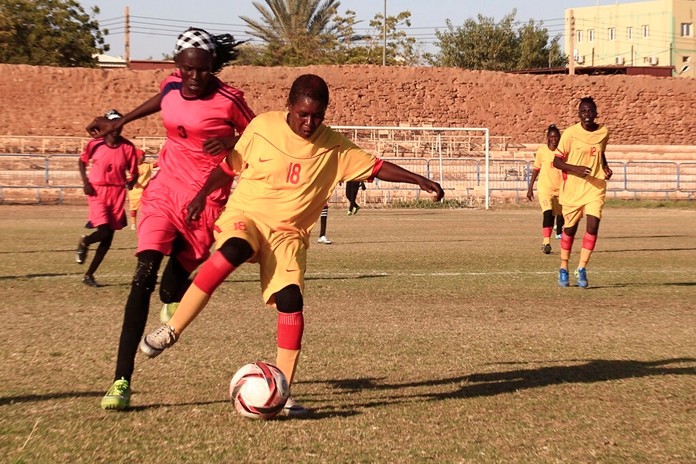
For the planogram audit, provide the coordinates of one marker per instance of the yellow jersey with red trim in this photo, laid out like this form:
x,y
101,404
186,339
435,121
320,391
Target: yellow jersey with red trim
x,y
583,148
549,178
284,179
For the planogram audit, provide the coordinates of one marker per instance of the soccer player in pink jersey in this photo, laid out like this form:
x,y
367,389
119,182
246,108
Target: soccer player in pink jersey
x,y
580,155
548,187
288,163
203,118
113,160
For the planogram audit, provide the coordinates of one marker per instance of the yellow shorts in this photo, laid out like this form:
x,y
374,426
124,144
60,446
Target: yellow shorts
x,y
134,196
282,255
549,201
573,214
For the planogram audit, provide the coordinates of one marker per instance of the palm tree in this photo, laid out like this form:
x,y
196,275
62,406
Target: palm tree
x,y
291,22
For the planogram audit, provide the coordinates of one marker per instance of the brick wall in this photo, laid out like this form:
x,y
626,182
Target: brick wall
x,y
640,110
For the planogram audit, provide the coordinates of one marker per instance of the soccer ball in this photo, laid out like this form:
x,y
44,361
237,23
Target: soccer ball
x,y
259,390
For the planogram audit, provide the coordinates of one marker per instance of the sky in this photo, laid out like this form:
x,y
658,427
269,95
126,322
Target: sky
x,y
155,24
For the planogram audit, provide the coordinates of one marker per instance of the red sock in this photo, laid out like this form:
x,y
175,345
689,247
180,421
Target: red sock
x,y
290,328
589,241
213,272
546,232
566,242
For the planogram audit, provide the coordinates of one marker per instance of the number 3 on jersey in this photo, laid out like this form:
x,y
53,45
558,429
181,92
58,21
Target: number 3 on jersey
x,y
293,176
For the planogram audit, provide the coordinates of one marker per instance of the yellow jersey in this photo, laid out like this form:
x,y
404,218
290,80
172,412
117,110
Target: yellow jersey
x,y
583,148
284,179
549,178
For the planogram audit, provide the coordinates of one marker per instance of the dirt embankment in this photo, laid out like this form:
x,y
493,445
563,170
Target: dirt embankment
x,y
639,110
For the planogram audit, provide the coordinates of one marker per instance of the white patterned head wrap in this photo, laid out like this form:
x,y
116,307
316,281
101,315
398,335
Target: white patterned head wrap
x,y
195,38
113,114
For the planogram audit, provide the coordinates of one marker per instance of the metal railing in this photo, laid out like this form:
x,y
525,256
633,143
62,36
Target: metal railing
x,y
53,178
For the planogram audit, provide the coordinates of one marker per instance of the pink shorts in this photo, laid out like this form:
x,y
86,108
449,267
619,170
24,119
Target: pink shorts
x,y
163,219
108,206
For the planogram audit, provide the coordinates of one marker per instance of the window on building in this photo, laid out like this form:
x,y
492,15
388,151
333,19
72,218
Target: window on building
x,y
687,29
579,36
612,33
629,33
590,35
646,30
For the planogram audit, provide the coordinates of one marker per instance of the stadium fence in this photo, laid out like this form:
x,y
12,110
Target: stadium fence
x,y
474,168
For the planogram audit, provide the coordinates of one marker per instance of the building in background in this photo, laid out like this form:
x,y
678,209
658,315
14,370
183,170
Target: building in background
x,y
651,33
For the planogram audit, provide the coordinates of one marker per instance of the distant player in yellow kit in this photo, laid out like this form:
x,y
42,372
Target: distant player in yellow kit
x,y
580,155
145,171
548,188
288,163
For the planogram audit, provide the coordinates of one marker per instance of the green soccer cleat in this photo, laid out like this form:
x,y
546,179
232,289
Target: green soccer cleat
x,y
118,396
168,310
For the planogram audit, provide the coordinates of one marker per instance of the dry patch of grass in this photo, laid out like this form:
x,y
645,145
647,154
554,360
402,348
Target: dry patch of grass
x,y
432,336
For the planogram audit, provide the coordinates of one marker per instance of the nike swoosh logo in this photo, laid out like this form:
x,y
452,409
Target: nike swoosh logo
x,y
262,160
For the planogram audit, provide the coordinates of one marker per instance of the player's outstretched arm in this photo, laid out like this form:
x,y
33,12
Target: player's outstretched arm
x,y
101,126
390,172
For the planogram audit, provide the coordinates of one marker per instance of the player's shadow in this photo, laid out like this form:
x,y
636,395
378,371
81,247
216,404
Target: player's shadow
x,y
8,400
54,251
631,250
502,382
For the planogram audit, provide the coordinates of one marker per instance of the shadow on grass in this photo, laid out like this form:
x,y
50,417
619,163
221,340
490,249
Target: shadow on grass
x,y
53,251
631,250
5,400
509,381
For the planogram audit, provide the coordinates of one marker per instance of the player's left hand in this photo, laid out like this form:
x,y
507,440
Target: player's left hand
x,y
195,208
434,188
608,173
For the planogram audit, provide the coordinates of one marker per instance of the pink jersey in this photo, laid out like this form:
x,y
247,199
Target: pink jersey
x,y
189,122
110,166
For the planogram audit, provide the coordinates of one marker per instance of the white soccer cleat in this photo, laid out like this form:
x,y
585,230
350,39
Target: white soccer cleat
x,y
293,409
154,344
324,240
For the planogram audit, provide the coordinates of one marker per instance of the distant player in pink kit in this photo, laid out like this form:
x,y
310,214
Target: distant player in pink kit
x,y
289,164
113,160
203,118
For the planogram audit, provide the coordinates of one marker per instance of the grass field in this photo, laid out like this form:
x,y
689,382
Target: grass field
x,y
431,336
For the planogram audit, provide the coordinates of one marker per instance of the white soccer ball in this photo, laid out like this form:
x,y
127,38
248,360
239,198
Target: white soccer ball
x,y
259,390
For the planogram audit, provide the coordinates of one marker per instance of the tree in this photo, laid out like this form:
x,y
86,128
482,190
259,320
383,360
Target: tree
x,y
535,50
296,32
49,32
485,44
303,32
400,49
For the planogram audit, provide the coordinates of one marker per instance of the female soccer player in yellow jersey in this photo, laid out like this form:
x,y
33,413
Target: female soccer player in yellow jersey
x,y
580,155
548,187
288,163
